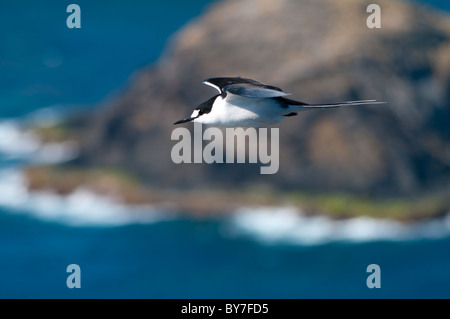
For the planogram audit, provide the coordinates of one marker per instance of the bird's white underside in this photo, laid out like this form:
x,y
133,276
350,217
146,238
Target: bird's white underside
x,y
236,110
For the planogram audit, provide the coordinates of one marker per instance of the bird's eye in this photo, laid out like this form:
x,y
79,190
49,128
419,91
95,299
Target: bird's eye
x,y
200,112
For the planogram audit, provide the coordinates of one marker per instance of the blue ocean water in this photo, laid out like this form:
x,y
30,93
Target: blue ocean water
x,y
193,259
43,65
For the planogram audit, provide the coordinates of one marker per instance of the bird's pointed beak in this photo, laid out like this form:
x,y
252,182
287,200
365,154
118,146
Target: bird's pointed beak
x,y
186,119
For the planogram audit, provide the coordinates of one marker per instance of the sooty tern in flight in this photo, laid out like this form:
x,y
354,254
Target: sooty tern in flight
x,y
249,103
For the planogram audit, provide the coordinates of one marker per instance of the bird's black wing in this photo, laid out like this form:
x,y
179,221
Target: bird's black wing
x,y
244,87
252,91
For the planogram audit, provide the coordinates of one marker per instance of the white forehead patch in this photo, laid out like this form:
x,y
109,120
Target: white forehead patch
x,y
214,86
195,113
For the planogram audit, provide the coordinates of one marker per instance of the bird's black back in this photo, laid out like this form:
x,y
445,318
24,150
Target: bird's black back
x,y
222,82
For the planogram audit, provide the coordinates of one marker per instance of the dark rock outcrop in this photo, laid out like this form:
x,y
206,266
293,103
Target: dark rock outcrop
x,y
320,51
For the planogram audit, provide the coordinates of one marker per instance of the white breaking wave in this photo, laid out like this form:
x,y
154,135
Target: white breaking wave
x,y
19,144
288,225
267,224
80,208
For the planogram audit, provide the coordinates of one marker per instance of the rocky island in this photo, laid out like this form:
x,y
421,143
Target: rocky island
x,y
390,160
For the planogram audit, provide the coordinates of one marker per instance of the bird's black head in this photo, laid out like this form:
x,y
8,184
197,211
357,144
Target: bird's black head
x,y
200,110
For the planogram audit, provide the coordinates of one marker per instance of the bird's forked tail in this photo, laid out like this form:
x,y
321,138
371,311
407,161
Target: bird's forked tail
x,y
305,106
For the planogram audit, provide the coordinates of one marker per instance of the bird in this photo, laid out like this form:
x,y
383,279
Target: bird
x,y
243,102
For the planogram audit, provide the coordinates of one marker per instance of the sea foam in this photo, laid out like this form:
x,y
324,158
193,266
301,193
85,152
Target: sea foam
x,y
16,143
79,208
269,225
82,207
289,225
